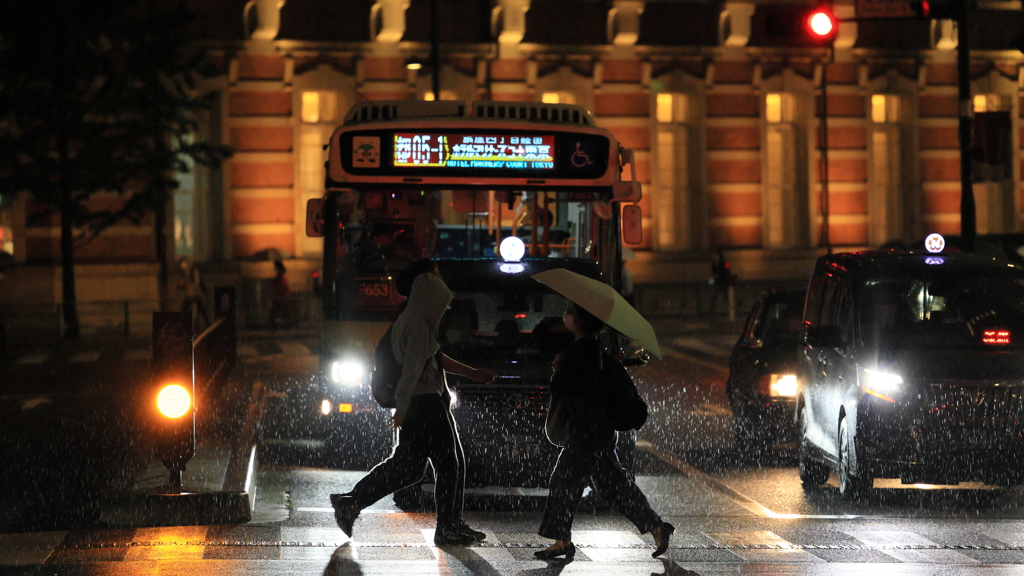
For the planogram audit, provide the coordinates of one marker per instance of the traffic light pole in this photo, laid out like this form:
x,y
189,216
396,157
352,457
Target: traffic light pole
x,y
968,224
826,240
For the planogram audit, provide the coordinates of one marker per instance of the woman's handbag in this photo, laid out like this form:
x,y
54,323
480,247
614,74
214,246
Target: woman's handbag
x,y
556,422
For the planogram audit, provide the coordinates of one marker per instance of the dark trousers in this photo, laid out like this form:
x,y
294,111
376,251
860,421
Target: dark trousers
x,y
578,463
428,433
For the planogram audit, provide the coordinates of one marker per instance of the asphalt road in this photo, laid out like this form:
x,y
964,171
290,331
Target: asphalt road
x,y
733,516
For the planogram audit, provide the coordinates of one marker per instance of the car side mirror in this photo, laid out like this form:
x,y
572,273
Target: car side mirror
x,y
752,342
639,359
824,336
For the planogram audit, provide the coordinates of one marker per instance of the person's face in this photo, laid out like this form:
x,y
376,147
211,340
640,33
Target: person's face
x,y
570,317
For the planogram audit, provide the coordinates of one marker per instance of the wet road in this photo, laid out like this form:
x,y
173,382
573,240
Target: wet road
x,y
733,516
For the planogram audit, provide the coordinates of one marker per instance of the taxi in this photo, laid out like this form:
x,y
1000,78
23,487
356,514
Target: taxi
x,y
912,367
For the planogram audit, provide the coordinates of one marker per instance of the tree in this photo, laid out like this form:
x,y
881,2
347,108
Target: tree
x,y
99,96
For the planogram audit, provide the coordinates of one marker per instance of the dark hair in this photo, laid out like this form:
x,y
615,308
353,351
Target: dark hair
x,y
408,275
279,267
591,324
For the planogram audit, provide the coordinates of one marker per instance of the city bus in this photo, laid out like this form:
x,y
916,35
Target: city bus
x,y
494,192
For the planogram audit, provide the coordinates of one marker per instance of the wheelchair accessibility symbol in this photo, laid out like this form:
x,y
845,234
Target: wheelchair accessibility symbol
x,y
584,155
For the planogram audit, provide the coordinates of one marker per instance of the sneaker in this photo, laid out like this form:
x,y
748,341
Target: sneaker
x,y
465,530
451,537
345,512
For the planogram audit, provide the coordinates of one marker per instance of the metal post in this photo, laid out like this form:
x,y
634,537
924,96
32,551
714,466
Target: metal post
x,y
826,239
968,225
434,52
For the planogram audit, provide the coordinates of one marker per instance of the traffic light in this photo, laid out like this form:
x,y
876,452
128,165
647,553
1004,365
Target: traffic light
x,y
173,408
791,25
936,9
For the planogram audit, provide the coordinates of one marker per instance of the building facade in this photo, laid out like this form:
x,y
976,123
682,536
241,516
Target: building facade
x,y
724,114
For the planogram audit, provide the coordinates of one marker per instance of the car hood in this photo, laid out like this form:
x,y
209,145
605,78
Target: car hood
x,y
944,365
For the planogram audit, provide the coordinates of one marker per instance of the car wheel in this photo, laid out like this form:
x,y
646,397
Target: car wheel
x,y
812,473
851,483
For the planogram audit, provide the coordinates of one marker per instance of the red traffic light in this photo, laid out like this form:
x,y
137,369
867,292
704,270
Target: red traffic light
x,y
821,25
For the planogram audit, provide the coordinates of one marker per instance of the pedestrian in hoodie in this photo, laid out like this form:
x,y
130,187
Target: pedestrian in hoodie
x,y
423,417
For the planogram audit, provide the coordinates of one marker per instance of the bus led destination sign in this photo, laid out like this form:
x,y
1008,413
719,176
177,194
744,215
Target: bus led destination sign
x,y
474,151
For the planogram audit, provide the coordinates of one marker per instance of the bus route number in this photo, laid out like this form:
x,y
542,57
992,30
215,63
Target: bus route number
x,y
375,290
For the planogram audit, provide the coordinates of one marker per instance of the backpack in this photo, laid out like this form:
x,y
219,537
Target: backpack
x,y
626,409
386,372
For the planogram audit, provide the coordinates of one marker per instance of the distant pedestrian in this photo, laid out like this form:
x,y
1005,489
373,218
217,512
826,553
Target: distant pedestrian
x,y
192,285
588,454
426,427
280,311
722,281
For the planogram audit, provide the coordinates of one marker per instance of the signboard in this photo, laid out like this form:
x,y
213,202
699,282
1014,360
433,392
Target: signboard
x,y
884,9
487,151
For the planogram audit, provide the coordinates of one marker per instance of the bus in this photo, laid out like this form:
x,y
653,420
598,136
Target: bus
x,y
494,192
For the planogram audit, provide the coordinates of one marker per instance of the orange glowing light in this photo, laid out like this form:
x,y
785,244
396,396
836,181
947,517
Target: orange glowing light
x,y
344,408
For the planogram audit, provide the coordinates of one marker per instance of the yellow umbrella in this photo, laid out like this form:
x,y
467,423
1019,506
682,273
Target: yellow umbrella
x,y
602,301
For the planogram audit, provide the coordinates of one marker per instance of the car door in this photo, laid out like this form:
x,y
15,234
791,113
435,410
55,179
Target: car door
x,y
744,358
835,360
809,371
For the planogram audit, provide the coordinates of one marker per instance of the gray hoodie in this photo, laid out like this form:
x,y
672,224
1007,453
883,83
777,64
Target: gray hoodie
x,y
413,338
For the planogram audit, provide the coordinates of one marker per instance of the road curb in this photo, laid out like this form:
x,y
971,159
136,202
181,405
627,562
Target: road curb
x,y
218,486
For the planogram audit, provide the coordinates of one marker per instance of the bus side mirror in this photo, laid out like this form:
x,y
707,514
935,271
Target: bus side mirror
x,y
632,227
315,217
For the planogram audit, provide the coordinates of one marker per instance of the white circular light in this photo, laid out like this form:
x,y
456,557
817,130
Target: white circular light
x,y
512,249
935,243
173,401
347,372
512,268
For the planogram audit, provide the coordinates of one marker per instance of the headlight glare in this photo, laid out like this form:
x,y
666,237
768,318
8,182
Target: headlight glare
x,y
882,381
783,385
349,372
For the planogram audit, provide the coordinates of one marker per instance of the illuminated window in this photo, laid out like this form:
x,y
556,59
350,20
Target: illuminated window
x,y
319,106
445,95
558,98
670,108
990,103
778,108
884,108
672,177
185,207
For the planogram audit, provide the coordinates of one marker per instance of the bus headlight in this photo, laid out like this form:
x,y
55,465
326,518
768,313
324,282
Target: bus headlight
x,y
348,371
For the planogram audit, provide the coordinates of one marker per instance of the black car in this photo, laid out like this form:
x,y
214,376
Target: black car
x,y
501,318
912,367
762,371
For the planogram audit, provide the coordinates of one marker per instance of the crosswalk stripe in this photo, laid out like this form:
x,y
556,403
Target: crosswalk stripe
x,y
37,357
91,356
293,349
776,548
886,538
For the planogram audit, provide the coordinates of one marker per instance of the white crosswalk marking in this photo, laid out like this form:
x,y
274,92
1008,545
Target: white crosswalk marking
x,y
702,346
893,537
138,354
91,356
293,349
781,551
35,357
247,351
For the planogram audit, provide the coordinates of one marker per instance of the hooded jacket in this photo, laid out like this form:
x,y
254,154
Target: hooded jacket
x,y
414,341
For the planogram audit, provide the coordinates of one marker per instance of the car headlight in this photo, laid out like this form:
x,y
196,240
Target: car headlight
x,y
881,384
348,371
782,385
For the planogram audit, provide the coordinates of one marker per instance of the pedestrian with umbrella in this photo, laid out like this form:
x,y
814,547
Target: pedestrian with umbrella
x,y
588,449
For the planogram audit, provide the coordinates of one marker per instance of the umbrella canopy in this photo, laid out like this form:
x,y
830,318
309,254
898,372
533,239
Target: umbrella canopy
x,y
602,301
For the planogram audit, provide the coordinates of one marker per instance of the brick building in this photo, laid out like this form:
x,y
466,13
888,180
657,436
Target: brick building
x,y
722,112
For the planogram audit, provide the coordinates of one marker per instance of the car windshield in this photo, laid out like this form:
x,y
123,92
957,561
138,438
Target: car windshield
x,y
781,324
523,323
944,311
